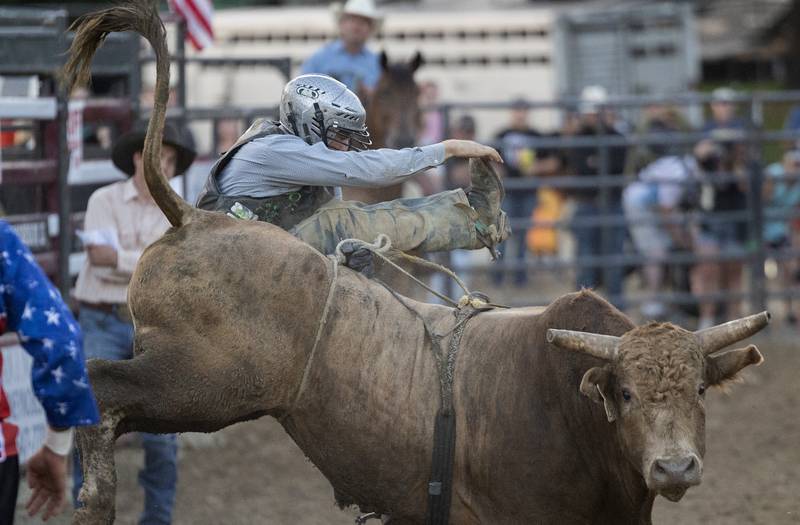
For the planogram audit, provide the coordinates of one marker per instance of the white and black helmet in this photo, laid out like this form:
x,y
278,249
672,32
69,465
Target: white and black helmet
x,y
320,108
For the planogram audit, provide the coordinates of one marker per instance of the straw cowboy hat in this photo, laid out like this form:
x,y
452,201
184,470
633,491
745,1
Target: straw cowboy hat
x,y
133,141
365,8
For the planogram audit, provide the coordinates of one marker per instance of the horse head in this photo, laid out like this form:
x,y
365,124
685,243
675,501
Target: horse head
x,y
393,112
393,119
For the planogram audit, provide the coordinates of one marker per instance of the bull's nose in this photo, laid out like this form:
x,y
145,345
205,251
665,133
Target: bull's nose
x,y
676,470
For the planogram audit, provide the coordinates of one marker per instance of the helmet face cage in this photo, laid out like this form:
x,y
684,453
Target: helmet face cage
x,y
320,108
350,139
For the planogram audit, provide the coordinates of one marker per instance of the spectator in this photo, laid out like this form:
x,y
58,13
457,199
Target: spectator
x,y
121,221
432,180
723,112
228,131
653,205
543,239
729,235
432,130
658,118
516,144
593,239
465,128
458,169
781,199
792,122
348,59
33,308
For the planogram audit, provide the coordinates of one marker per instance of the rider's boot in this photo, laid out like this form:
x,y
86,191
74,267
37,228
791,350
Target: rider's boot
x,y
485,197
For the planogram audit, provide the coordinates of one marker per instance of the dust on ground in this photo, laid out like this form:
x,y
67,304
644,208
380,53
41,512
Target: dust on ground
x,y
252,473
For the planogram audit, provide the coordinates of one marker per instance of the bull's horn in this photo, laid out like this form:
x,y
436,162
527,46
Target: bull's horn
x,y
720,336
602,346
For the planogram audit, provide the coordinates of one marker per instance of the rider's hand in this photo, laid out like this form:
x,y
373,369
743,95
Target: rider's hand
x,y
469,149
47,478
358,258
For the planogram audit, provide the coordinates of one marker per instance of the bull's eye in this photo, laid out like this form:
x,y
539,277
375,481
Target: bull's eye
x,y
702,390
626,394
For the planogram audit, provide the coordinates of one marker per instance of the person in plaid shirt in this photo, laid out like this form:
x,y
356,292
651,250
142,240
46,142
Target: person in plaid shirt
x,y
32,307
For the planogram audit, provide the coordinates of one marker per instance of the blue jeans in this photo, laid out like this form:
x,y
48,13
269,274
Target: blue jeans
x,y
589,241
518,204
105,336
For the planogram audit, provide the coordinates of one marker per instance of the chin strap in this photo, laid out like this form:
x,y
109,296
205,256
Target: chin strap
x,y
319,118
292,120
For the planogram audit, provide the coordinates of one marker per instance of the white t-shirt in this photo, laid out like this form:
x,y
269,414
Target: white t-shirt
x,y
663,182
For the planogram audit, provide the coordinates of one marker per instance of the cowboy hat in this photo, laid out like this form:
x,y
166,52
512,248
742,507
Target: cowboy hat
x,y
593,98
365,8
724,95
133,141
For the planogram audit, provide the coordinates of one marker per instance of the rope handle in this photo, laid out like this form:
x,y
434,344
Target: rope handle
x,y
383,245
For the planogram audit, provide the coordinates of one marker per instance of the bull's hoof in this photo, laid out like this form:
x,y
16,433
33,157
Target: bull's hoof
x,y
97,509
87,515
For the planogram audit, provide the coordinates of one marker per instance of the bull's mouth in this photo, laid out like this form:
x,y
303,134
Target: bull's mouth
x,y
674,494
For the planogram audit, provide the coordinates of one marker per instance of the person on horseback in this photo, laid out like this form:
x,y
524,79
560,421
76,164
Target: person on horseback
x,y
348,59
289,173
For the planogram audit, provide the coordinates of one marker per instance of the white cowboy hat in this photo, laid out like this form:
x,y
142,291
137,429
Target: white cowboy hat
x,y
723,94
592,99
365,8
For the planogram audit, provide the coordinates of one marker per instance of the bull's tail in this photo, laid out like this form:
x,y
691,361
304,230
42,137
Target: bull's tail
x,y
142,17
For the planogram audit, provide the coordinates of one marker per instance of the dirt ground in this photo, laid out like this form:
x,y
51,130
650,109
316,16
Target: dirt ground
x,y
252,473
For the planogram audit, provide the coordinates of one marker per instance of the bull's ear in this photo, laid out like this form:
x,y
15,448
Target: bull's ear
x,y
596,386
724,366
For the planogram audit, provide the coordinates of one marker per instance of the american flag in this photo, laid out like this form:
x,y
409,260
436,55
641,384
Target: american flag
x,y
197,14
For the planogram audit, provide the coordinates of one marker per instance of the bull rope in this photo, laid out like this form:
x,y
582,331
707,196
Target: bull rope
x,y
383,245
323,320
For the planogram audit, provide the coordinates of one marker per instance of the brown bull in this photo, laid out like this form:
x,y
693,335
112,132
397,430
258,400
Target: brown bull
x,y
236,320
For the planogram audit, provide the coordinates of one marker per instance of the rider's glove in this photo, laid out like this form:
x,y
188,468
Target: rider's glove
x,y
358,258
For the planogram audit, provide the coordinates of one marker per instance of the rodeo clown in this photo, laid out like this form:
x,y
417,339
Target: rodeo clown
x,y
287,173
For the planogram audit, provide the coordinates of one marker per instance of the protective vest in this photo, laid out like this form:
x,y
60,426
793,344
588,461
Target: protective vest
x,y
285,210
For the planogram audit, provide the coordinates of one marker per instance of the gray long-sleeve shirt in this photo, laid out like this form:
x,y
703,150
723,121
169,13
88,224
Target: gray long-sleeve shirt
x,y
278,164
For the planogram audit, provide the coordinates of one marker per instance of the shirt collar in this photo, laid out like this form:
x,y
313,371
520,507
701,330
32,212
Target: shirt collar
x,y
338,46
129,191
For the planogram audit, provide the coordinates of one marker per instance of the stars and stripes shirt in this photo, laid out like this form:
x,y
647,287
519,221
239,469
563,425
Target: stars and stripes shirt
x,y
32,307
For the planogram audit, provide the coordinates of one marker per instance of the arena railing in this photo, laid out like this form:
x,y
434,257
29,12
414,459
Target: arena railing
x,y
754,137
753,254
